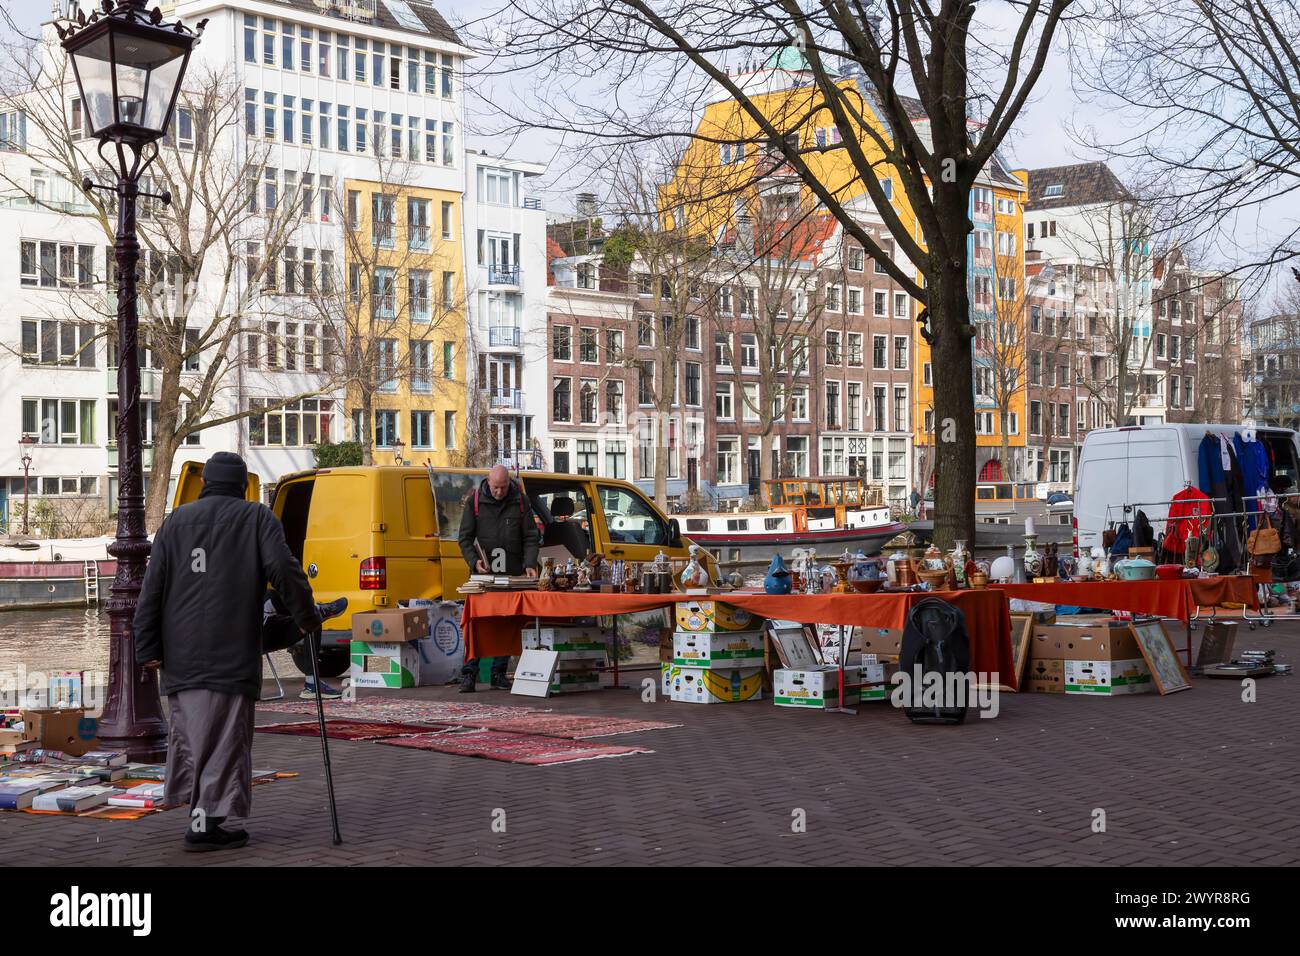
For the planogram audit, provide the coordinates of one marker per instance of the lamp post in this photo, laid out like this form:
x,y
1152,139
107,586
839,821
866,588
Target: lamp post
x,y
25,449
128,66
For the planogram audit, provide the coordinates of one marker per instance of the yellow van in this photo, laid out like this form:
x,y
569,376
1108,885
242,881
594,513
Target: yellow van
x,y
384,534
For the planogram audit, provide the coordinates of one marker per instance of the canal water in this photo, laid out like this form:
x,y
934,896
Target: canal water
x,y
70,639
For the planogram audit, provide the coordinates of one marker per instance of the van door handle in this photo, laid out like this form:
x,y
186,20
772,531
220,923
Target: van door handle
x,y
615,550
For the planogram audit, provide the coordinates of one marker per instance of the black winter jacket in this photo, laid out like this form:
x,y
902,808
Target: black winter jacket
x,y
507,525
200,610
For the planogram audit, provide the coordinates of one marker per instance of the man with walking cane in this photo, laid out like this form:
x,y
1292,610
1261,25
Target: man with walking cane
x,y
200,618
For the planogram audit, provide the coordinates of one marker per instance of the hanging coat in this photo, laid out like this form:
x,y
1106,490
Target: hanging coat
x,y
1188,517
1252,459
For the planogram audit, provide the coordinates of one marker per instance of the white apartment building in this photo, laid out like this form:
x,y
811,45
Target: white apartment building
x,y
506,271
327,87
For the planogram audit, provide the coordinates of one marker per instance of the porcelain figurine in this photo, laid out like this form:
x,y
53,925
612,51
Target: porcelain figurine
x,y
545,579
778,578
959,557
695,575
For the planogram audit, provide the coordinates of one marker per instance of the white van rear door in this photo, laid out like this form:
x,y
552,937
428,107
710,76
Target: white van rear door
x,y
1156,472
1102,482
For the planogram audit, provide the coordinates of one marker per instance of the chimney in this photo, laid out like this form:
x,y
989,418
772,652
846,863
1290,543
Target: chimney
x,y
745,233
586,204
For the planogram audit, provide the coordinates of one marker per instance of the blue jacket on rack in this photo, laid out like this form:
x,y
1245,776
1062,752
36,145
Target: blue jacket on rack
x,y
1252,459
1210,467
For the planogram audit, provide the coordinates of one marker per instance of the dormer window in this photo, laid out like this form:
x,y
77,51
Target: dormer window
x,y
1054,191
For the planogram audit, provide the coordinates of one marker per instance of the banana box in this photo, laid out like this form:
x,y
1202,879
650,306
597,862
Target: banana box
x,y
565,638
565,682
698,685
718,649
815,688
1107,678
715,616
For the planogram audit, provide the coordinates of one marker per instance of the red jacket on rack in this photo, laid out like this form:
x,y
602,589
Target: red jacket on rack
x,y
1189,515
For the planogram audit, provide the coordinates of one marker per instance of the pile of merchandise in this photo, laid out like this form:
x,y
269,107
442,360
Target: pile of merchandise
x,y
54,781
406,647
717,655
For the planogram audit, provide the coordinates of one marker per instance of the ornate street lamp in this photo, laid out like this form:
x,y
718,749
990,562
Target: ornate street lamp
x,y
128,65
399,446
25,450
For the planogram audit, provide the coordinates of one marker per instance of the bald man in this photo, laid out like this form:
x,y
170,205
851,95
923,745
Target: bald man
x,y
497,536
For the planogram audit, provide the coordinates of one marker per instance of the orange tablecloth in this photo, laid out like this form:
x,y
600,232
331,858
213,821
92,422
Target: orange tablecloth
x,y
1174,599
491,622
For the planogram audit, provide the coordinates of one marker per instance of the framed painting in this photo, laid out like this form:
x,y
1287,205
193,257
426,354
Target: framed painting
x,y
1158,650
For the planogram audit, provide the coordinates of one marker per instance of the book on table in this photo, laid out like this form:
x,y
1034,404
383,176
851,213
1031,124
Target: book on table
x,y
19,795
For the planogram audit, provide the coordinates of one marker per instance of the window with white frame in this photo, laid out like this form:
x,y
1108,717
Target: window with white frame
x,y
723,405
728,461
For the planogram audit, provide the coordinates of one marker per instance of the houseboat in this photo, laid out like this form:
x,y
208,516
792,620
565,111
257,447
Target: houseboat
x,y
826,514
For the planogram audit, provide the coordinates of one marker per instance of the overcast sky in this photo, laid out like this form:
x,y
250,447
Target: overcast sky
x,y
1041,137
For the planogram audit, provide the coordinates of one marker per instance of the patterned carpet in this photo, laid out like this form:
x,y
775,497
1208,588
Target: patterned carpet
x,y
570,726
397,710
345,729
512,748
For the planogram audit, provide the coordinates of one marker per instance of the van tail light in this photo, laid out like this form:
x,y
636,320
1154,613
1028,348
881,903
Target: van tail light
x,y
374,574
1074,531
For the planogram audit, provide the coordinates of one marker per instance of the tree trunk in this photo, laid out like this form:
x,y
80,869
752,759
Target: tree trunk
x,y
954,404
764,466
365,436
164,449
1007,470
661,461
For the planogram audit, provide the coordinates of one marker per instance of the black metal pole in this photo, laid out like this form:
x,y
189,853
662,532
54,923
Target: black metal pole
x,y
27,493
313,646
132,720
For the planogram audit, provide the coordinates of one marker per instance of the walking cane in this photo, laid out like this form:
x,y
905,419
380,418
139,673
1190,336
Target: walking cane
x,y
315,639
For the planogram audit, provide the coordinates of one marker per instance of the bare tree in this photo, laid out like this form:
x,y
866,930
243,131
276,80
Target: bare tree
x,y
198,287
645,68
773,265
1208,97
1002,344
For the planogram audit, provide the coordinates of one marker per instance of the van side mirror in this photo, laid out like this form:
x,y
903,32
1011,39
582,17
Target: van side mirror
x,y
674,533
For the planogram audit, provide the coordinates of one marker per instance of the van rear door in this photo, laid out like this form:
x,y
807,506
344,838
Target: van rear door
x,y
341,532
189,483
410,536
1157,470
1102,481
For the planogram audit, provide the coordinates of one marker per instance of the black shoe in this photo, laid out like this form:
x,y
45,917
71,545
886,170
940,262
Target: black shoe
x,y
501,683
332,609
467,688
215,839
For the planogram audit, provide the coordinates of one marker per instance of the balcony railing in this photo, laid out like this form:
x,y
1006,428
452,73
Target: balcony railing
x,y
503,275
504,398
503,336
422,380
532,202
418,237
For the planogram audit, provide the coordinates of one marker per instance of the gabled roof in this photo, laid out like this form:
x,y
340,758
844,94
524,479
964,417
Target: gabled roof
x,y
804,238
1082,184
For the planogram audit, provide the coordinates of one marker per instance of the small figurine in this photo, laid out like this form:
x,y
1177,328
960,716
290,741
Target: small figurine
x,y
545,580
736,580
584,577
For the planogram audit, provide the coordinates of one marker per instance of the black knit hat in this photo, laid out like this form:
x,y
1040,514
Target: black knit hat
x,y
227,468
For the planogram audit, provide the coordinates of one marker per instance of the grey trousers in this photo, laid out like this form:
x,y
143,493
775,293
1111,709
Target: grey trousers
x,y
210,753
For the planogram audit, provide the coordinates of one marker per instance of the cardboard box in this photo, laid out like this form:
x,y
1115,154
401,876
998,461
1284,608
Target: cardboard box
x,y
815,688
718,649
444,648
698,685
715,616
69,730
882,642
1045,676
1107,678
565,638
567,682
1106,641
388,664
399,624
581,660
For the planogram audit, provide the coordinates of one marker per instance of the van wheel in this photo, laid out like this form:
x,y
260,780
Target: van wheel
x,y
332,661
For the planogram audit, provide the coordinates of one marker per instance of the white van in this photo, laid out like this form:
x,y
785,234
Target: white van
x,y
1144,464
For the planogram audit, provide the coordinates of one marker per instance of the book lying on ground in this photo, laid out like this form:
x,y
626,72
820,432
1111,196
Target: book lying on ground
x,y
100,758
146,796
74,799
146,771
41,756
44,783
18,795
89,773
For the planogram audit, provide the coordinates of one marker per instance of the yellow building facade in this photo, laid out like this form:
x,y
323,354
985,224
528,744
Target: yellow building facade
x,y
404,265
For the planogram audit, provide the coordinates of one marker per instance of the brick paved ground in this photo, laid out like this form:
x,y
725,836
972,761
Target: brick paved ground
x,y
1193,778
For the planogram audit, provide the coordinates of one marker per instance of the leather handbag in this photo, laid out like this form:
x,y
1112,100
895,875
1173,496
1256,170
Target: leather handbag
x,y
1264,540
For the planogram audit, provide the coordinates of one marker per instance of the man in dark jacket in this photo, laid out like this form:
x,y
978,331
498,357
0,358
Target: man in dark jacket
x,y
497,536
200,618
